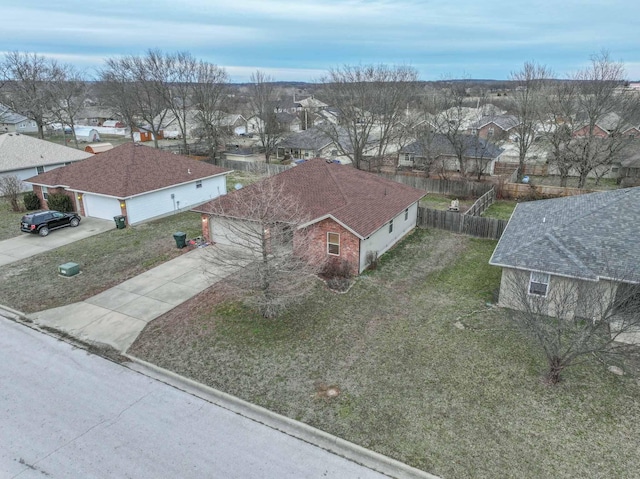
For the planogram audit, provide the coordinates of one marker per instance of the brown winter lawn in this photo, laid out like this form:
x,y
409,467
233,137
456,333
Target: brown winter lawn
x,y
413,385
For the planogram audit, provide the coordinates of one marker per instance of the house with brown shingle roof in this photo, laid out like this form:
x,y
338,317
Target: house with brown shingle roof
x,y
133,180
353,215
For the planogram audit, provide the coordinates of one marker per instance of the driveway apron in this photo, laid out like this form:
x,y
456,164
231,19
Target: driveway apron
x,y
117,316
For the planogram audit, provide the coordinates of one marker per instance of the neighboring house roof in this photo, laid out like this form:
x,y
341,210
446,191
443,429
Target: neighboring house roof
x,y
312,102
360,201
505,122
589,236
96,112
475,147
285,118
19,152
311,139
128,170
10,117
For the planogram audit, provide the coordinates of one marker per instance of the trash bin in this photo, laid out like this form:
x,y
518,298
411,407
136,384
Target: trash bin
x,y
181,239
121,221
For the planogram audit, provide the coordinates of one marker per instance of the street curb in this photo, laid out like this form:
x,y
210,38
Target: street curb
x,y
299,430
13,313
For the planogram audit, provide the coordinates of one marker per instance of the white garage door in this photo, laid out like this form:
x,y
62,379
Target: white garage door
x,y
101,207
232,232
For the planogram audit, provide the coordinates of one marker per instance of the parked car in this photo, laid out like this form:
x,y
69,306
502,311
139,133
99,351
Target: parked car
x,y
42,222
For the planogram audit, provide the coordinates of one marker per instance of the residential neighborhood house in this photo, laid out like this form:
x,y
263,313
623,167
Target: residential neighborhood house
x,y
479,155
353,215
133,180
12,122
588,241
25,156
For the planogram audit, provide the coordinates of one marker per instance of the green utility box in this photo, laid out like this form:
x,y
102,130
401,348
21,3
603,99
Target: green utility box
x,y
69,269
121,221
181,239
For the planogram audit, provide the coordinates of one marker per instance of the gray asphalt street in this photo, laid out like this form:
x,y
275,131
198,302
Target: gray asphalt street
x,y
66,413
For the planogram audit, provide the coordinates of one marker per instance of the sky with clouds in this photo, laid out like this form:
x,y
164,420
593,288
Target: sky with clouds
x,y
301,39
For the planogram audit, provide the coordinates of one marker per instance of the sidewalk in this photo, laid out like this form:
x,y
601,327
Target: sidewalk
x,y
117,316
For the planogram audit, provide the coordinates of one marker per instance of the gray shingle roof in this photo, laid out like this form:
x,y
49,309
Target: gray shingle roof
x,y
19,152
474,147
503,121
311,139
588,236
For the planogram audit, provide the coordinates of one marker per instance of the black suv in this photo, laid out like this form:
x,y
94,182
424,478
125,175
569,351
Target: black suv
x,y
42,222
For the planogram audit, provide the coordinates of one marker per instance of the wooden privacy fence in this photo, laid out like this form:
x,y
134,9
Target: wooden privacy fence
x,y
482,203
253,166
462,189
477,226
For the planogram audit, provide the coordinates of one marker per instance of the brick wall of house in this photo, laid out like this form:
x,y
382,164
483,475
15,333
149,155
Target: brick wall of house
x,y
349,243
37,189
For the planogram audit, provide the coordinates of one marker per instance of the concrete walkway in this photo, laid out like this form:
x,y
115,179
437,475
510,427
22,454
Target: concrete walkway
x,y
117,316
27,244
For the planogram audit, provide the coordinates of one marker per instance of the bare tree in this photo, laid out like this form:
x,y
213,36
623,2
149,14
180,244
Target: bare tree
x,y
29,76
11,189
144,82
370,101
117,92
66,97
557,127
452,119
576,320
269,245
526,102
209,99
262,95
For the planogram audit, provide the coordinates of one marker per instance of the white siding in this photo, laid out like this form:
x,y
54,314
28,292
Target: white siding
x,y
101,206
28,173
381,241
160,203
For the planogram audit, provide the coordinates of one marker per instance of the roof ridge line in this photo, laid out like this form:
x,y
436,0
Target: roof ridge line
x,y
570,254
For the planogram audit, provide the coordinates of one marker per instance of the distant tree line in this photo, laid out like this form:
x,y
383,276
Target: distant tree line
x,y
377,109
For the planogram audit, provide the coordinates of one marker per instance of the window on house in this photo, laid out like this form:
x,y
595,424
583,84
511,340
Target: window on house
x,y
391,226
45,193
333,243
199,184
491,131
40,169
538,283
406,214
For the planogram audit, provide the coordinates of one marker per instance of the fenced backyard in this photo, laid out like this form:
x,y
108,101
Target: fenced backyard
x,y
470,222
461,189
488,228
254,167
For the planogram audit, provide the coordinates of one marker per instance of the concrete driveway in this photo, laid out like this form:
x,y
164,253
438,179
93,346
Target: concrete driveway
x,y
117,316
26,245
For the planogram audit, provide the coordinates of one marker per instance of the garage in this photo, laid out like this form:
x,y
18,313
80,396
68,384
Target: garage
x,y
101,206
228,231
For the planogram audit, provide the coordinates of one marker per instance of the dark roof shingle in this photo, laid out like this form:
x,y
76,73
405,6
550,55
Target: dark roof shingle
x,y
587,236
128,170
362,201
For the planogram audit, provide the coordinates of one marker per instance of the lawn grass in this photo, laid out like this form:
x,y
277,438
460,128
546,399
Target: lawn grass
x,y
500,210
105,260
551,180
442,202
9,220
428,371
